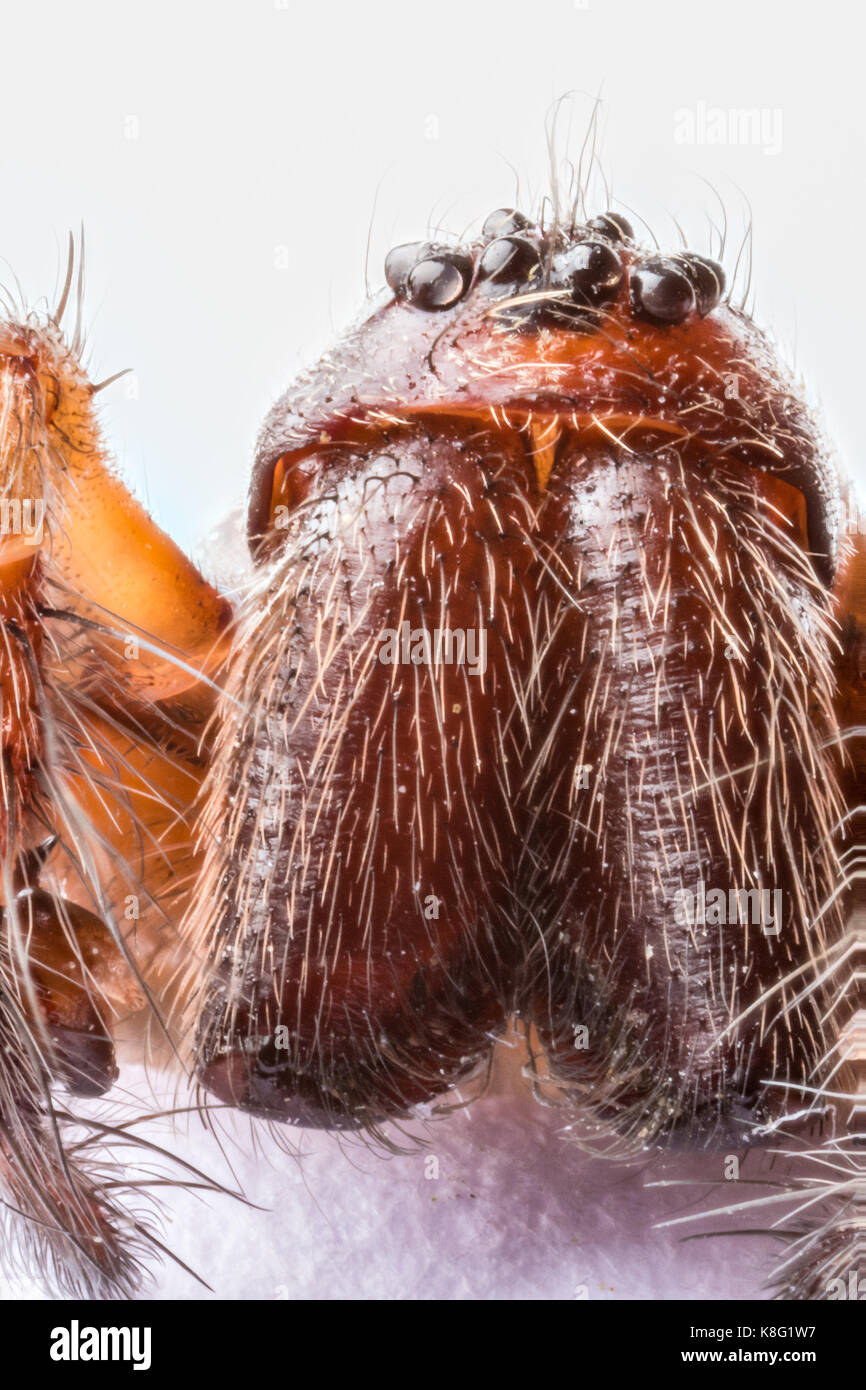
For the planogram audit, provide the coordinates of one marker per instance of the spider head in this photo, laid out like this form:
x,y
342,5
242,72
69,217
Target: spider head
x,y
546,332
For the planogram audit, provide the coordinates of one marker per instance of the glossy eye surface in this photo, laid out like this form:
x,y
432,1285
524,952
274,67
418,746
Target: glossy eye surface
x,y
510,259
708,280
661,291
503,222
439,281
613,226
400,261
594,271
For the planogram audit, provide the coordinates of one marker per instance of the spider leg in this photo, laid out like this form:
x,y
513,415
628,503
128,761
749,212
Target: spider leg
x,y
107,636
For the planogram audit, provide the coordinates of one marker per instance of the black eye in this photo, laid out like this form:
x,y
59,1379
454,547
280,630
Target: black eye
x,y
612,225
707,277
594,272
661,290
439,281
503,222
399,263
509,259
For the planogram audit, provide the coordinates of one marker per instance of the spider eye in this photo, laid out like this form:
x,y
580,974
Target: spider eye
x,y
439,281
401,260
509,259
662,291
613,226
594,271
503,222
707,278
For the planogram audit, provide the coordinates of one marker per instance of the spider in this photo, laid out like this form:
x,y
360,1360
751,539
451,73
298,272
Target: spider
x,y
545,702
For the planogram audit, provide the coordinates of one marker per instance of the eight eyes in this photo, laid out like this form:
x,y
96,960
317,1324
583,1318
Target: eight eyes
x,y
546,283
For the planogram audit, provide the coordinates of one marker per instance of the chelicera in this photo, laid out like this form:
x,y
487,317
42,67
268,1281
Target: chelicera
x,y
552,634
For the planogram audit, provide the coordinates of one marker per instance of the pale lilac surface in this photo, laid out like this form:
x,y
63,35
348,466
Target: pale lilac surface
x,y
517,1212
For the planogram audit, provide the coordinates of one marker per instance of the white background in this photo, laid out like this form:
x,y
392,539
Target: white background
x,y
205,146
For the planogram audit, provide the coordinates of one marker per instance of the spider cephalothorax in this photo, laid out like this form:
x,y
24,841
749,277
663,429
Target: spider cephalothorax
x,y
532,710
